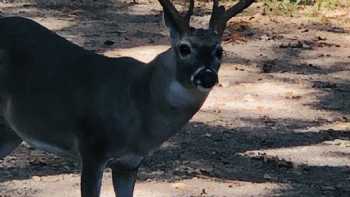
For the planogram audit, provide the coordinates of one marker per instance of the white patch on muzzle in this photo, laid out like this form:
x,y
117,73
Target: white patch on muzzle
x,y
199,86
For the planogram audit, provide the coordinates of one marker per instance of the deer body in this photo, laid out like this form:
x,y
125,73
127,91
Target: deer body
x,y
113,95
120,108
106,112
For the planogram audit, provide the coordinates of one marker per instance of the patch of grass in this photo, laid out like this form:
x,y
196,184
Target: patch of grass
x,y
281,7
324,5
313,7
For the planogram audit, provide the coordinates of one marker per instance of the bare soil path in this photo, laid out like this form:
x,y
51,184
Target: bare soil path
x,y
277,125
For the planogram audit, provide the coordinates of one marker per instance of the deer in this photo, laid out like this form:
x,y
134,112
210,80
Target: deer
x,y
105,112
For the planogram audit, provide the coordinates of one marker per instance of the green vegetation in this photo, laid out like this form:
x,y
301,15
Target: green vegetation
x,y
285,7
311,7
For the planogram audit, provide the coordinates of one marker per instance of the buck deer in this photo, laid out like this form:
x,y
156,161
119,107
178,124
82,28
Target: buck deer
x,y
106,112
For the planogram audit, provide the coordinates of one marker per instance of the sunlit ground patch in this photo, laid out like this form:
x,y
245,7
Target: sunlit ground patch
x,y
333,153
142,53
55,24
68,186
271,98
334,126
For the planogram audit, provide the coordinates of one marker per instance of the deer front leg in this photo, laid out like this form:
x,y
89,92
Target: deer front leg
x,y
91,176
123,181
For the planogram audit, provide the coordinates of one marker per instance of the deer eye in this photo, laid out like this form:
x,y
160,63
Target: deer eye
x,y
219,53
185,50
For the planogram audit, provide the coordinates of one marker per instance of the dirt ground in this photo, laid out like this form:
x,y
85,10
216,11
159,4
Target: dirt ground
x,y
277,124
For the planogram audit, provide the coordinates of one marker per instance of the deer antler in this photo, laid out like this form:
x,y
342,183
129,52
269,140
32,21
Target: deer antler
x,y
220,16
189,12
182,23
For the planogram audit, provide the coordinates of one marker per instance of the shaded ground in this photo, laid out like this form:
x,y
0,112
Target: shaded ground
x,y
277,125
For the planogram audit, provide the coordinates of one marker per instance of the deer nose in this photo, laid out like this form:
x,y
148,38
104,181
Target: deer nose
x,y
204,78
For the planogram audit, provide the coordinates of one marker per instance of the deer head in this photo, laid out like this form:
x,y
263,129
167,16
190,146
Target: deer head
x,y
198,52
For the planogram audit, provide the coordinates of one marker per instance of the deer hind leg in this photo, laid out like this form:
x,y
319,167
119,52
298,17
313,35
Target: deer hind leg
x,y
9,140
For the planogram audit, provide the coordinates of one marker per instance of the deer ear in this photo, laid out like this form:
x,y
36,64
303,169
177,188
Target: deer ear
x,y
172,26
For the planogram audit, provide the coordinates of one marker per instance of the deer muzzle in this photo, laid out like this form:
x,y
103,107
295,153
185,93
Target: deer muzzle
x,y
204,78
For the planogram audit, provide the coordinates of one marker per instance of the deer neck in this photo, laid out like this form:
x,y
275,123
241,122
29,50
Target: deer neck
x,y
173,105
168,92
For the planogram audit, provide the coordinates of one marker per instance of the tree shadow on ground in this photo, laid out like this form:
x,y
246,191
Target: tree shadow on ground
x,y
214,151
337,97
92,23
329,74
120,27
